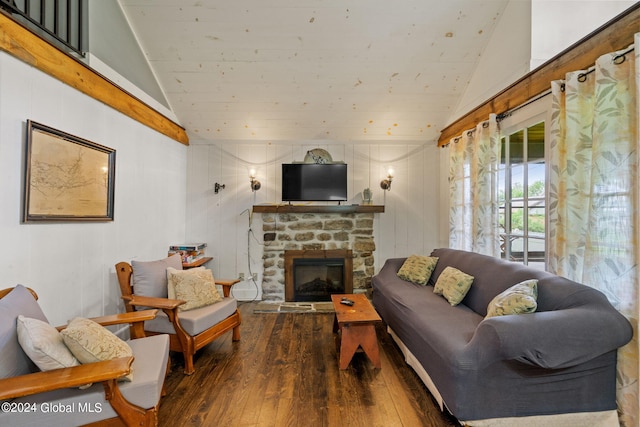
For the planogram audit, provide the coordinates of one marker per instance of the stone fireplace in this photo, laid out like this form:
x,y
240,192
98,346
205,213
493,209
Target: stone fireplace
x,y
333,229
314,275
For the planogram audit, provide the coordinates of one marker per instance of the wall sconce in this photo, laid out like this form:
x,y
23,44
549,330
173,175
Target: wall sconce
x,y
217,187
385,184
255,184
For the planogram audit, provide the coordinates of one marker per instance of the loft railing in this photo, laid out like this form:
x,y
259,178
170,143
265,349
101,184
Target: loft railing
x,y
63,20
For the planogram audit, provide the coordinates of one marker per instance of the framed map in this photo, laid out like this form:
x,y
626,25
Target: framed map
x,y
66,178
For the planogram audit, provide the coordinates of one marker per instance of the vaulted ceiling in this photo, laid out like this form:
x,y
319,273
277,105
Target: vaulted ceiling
x,y
334,70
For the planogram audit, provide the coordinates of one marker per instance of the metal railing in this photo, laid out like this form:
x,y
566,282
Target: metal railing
x,y
62,20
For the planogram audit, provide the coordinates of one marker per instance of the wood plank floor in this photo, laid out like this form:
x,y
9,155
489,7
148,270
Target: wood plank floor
x,y
284,372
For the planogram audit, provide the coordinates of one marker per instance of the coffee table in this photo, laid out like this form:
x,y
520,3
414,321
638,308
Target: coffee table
x,y
356,325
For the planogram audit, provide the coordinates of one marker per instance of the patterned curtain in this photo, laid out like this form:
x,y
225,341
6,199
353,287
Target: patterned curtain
x,y
474,158
594,221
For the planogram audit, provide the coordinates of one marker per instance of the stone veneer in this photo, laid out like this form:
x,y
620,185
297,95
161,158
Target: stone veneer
x,y
316,231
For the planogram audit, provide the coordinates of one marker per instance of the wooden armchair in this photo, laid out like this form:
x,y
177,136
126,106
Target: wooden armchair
x,y
34,394
190,330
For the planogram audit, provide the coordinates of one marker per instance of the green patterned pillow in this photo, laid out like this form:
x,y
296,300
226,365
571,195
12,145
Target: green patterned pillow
x,y
453,284
417,269
518,299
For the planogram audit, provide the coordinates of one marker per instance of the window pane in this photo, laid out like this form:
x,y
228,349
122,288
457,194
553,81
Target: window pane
x,y
517,220
535,252
517,249
522,181
536,218
516,147
536,179
517,183
535,143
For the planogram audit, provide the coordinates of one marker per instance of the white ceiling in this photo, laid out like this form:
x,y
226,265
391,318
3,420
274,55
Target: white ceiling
x,y
332,70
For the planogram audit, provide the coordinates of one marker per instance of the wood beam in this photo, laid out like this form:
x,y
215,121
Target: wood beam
x,y
615,35
18,41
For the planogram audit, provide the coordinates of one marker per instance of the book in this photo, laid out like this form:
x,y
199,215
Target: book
x,y
188,247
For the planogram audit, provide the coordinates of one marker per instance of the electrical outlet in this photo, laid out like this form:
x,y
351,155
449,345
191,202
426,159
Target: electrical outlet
x,y
241,276
255,277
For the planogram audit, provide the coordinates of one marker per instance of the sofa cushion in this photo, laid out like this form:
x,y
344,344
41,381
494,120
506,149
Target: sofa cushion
x,y
90,342
518,299
13,360
453,284
150,277
417,269
44,344
197,287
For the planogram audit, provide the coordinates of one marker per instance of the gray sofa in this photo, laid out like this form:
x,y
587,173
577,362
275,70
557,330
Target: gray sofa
x,y
555,366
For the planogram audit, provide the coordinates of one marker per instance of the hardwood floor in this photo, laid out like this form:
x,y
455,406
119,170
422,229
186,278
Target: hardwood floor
x,y
284,372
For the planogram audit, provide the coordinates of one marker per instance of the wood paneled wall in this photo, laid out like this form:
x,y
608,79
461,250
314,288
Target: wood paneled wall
x,y
410,223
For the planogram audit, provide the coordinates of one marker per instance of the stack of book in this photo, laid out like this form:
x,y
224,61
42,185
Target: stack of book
x,y
190,252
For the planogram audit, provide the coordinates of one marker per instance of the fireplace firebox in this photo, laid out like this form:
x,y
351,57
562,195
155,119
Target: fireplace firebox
x,y
314,275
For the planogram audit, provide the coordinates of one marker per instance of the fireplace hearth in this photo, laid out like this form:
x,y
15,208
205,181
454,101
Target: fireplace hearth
x,y
314,275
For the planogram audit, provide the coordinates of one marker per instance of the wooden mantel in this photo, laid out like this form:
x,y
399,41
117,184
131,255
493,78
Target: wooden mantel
x,y
337,209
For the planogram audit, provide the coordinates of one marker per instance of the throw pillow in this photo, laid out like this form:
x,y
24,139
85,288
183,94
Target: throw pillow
x,y
44,344
171,281
417,269
518,299
196,286
90,342
453,284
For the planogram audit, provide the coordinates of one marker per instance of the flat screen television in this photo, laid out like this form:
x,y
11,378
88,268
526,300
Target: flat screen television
x,y
310,182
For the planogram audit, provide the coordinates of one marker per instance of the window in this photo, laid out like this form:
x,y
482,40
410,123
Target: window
x,y
522,195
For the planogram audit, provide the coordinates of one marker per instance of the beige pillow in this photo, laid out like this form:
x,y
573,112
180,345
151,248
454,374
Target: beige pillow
x,y
453,284
90,342
195,286
171,279
518,299
417,269
43,344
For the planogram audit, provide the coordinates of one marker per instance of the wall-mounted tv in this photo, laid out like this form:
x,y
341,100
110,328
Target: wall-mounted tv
x,y
310,182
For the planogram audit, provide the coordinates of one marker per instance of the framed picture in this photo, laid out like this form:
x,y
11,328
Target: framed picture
x,y
66,178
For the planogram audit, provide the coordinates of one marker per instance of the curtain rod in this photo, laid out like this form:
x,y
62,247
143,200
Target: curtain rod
x,y
618,59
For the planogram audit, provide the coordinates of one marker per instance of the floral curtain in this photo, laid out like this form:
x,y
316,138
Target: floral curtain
x,y
473,183
594,221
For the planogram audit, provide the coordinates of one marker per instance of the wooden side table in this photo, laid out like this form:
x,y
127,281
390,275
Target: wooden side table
x,y
356,325
196,263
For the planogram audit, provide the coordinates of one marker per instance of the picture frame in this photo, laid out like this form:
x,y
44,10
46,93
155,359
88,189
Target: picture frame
x,y
66,178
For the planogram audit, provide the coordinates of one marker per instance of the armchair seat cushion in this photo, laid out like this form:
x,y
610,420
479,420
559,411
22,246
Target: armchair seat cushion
x,y
76,407
194,321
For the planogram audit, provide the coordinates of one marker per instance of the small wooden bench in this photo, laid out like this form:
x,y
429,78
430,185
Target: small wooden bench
x,y
356,325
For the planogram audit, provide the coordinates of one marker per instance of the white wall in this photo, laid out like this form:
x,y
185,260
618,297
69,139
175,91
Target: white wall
x,y
71,265
505,59
531,32
550,31
410,223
